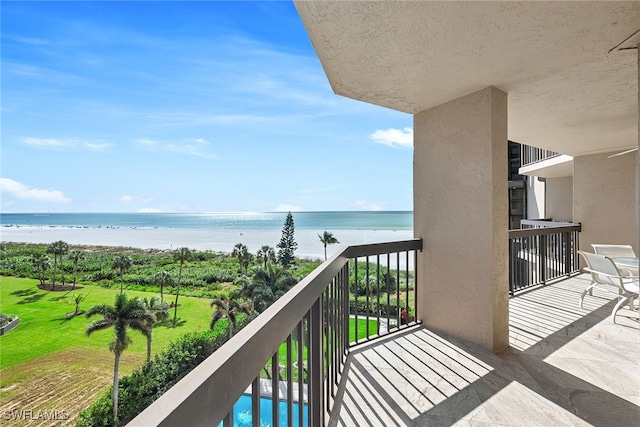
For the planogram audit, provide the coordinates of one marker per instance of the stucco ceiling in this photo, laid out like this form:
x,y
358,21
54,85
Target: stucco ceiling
x,y
566,91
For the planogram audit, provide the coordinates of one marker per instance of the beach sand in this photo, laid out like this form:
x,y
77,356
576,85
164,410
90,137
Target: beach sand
x,y
216,240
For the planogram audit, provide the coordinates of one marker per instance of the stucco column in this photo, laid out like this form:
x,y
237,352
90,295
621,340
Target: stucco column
x,y
461,213
604,199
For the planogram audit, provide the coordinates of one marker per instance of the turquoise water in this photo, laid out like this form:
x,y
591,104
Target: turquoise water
x,y
381,220
242,412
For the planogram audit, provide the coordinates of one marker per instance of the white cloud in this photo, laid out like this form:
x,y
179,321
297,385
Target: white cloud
x,y
287,208
96,147
394,137
49,143
126,198
192,147
62,144
365,206
146,141
22,191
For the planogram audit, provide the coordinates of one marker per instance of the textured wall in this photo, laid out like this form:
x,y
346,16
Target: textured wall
x,y
604,199
560,198
460,212
535,198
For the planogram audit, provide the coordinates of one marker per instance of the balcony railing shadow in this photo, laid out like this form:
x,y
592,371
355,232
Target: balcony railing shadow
x,y
565,366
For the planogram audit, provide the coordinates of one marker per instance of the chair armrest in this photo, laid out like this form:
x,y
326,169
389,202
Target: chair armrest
x,y
612,276
629,273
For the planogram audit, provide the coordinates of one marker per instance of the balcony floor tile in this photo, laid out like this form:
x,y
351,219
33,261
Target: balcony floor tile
x,y
566,366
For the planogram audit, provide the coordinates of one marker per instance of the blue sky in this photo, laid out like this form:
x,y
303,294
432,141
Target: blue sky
x,y
185,107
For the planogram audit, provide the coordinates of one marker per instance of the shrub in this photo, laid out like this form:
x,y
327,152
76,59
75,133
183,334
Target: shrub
x,y
100,414
149,382
373,308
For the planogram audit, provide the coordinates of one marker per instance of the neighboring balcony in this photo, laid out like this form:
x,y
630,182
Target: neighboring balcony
x,y
319,357
544,163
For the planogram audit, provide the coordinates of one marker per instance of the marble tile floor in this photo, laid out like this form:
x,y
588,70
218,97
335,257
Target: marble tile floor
x,y
566,366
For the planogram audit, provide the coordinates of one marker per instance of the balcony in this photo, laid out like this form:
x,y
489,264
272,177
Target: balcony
x,y
565,365
544,163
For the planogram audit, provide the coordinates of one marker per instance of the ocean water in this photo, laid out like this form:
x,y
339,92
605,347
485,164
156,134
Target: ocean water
x,y
378,220
214,231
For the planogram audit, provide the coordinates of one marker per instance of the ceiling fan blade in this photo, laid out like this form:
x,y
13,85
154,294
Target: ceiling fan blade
x,y
624,152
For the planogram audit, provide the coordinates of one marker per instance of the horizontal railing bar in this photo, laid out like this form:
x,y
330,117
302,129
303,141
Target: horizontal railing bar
x,y
544,223
528,232
383,248
199,398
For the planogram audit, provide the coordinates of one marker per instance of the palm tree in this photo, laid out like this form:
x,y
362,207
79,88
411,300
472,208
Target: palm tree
x,y
160,312
75,256
266,253
270,283
227,308
121,263
126,313
262,296
76,300
42,263
182,255
162,279
327,239
58,249
254,293
244,257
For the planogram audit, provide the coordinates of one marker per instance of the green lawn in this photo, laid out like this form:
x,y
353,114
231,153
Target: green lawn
x,y
362,334
45,329
48,353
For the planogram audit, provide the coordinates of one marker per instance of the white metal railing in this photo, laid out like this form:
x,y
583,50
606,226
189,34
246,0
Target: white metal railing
x,y
530,155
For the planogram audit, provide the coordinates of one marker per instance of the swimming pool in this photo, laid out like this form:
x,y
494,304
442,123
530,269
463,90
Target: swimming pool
x,y
242,412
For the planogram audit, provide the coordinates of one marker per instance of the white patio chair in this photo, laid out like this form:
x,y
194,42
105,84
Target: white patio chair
x,y
613,251
605,273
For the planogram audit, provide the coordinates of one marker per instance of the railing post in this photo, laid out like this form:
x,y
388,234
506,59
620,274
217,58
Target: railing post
x,y
576,261
567,247
255,401
543,250
512,261
316,390
346,298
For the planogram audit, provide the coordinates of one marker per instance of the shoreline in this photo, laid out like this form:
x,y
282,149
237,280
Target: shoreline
x,y
216,240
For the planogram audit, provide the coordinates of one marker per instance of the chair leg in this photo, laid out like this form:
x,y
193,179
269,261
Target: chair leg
x,y
589,290
620,303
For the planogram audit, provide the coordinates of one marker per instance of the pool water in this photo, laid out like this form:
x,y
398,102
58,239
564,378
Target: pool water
x,y
242,412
